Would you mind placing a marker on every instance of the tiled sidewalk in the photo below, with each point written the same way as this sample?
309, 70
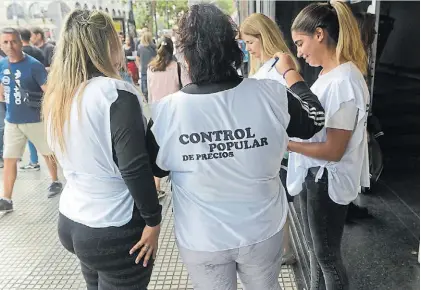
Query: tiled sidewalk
31, 256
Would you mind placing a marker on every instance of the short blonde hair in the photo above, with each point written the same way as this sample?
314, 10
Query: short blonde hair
146, 38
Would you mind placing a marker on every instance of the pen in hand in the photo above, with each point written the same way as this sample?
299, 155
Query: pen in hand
274, 63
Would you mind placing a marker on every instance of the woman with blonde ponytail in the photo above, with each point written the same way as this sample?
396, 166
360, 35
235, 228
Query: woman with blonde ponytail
329, 169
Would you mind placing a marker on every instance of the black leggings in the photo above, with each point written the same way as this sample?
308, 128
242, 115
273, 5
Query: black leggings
104, 254
324, 222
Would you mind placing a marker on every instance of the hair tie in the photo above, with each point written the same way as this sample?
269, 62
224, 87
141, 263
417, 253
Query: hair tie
329, 4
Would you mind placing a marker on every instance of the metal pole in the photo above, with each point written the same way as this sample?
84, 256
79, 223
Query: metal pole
372, 61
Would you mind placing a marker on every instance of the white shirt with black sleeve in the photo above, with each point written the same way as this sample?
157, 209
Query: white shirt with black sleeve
106, 162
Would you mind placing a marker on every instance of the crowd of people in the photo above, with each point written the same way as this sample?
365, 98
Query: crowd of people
229, 110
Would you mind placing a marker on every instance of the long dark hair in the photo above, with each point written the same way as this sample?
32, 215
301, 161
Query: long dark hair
366, 23
164, 55
207, 40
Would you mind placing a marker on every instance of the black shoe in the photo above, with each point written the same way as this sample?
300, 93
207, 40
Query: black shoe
6, 206
55, 188
357, 212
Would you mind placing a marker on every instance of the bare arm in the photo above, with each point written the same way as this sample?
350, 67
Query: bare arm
331, 150
44, 88
138, 61
1, 93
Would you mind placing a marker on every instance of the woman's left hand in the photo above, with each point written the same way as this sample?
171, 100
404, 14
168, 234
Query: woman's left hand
148, 245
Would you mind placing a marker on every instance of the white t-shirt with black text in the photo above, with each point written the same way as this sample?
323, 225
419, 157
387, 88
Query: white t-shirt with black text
224, 152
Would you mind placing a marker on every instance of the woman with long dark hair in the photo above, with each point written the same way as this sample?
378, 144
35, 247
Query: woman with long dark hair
222, 138
129, 48
165, 74
329, 170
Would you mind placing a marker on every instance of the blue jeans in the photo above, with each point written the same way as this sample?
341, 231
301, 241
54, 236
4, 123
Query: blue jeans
144, 86
2, 117
33, 155
125, 76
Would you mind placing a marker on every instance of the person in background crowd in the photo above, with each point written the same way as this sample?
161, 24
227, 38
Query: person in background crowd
263, 39
36, 53
245, 66
175, 43
109, 211
29, 49
222, 138
165, 76
329, 170
145, 53
129, 50
121, 37
22, 76
2, 116
38, 39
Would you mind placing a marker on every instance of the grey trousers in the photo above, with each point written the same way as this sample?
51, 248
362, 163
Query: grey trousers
258, 266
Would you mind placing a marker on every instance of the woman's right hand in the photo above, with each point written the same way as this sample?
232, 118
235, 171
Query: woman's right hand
287, 69
148, 244
284, 63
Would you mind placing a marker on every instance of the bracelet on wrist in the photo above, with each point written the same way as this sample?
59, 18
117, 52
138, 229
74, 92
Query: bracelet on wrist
285, 72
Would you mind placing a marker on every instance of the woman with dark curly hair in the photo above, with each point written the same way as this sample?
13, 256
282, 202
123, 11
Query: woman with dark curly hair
222, 138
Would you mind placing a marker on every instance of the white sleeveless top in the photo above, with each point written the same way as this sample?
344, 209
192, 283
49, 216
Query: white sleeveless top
95, 194
344, 84
224, 152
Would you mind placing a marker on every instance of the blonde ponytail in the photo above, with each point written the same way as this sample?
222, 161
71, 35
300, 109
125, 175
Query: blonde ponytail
349, 46
337, 19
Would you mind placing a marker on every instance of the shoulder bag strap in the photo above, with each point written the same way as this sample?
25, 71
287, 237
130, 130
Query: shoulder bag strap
179, 75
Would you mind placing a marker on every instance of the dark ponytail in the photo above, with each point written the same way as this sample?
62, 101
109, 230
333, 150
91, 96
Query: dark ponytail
164, 55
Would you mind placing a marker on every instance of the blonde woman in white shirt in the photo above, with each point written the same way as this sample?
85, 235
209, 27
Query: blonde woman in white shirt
329, 169
263, 39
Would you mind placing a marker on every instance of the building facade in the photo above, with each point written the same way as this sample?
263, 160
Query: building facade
49, 14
